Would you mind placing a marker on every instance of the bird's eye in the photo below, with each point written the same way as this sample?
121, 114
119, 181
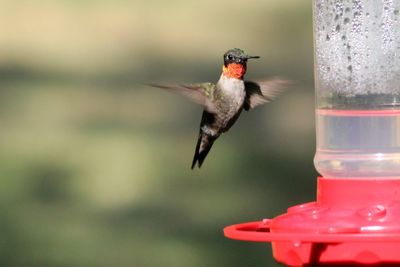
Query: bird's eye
229, 57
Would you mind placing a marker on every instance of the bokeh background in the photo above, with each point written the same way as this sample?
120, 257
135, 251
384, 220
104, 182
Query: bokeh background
95, 167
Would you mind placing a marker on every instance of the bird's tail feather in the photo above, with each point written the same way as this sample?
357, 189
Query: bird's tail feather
204, 144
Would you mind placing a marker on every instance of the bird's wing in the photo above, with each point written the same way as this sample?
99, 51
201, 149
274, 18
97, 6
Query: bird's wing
200, 93
261, 92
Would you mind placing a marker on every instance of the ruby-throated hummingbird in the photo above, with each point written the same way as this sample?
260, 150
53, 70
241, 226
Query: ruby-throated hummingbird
224, 101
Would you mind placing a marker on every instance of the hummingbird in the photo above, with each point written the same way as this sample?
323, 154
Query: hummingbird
224, 101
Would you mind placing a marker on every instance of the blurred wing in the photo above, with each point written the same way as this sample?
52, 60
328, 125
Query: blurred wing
200, 93
261, 92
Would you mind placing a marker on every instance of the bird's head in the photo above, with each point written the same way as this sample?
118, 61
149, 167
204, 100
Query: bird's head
235, 63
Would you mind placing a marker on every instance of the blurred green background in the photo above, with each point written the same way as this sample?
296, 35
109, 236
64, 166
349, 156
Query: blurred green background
95, 168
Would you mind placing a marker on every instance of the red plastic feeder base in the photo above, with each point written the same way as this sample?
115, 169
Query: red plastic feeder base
354, 222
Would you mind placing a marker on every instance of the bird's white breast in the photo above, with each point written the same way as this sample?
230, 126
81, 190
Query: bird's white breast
234, 89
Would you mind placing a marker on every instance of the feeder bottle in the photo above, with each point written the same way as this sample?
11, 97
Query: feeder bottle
355, 220
357, 85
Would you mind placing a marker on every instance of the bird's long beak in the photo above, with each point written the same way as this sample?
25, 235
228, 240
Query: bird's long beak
250, 57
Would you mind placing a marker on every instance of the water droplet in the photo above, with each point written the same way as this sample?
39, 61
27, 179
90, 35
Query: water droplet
337, 27
349, 58
343, 37
347, 9
328, 37
350, 68
346, 20
396, 11
336, 17
356, 14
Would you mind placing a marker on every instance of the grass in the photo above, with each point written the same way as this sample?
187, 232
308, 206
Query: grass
95, 167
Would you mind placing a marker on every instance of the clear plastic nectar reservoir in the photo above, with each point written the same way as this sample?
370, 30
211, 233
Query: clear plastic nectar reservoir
357, 70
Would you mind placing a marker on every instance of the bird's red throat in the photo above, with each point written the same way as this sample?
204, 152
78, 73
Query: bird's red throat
234, 70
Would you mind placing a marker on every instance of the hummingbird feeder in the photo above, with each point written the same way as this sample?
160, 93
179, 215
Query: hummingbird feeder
355, 220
